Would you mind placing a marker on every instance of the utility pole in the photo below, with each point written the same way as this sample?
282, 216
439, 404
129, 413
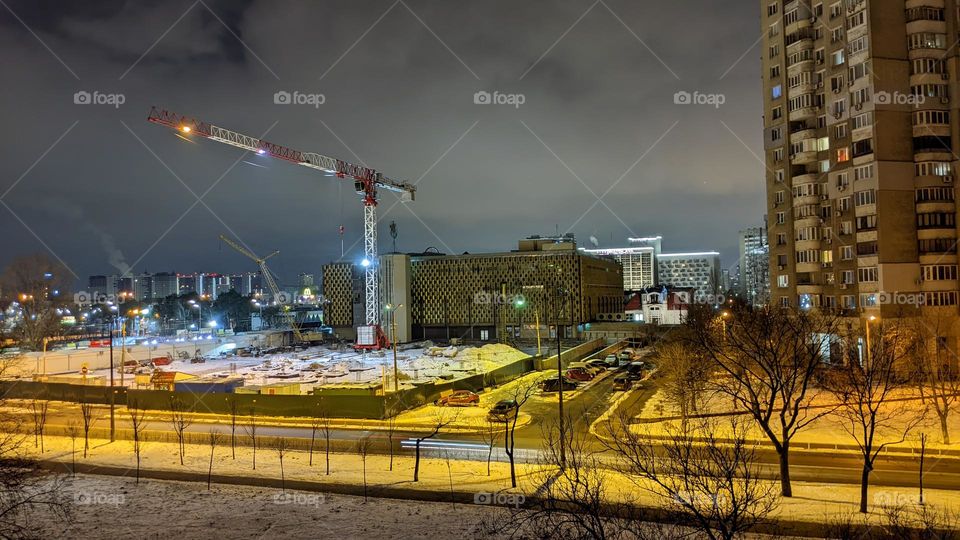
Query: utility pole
112, 389
563, 455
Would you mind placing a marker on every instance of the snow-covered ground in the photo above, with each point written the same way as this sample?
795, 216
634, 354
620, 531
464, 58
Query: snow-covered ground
326, 366
111, 507
119, 508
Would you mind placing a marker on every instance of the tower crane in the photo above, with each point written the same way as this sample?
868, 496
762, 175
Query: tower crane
268, 278
367, 182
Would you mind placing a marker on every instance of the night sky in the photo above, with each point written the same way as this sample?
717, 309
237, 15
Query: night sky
102, 189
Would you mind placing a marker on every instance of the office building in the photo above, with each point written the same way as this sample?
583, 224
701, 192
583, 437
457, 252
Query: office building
697, 271
639, 261
489, 296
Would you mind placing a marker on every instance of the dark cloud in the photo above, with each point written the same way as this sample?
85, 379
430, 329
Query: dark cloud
397, 99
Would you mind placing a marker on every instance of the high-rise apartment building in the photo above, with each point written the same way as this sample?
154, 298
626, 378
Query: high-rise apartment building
754, 282
859, 135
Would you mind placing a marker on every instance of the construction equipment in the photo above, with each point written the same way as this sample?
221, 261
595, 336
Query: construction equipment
366, 182
278, 297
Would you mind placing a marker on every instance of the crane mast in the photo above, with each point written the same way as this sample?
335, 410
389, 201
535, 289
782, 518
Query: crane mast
268, 278
367, 182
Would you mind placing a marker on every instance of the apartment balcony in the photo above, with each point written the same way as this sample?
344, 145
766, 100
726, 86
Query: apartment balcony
806, 178
808, 267
936, 206
804, 113
798, 136
804, 158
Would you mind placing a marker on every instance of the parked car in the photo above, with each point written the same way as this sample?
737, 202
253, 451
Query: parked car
624, 356
622, 382
602, 365
635, 370
593, 370
503, 411
579, 374
458, 398
553, 384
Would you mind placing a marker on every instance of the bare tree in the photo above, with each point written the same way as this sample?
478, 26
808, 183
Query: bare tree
137, 424
491, 434
440, 421
572, 500
40, 286
937, 374
73, 431
521, 392
39, 408
24, 487
708, 478
280, 445
768, 360
234, 412
86, 413
321, 423
864, 391
684, 375
391, 433
364, 445
213, 440
181, 421
251, 429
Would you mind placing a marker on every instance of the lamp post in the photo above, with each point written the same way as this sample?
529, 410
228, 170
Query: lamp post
519, 303
869, 320
112, 389
563, 455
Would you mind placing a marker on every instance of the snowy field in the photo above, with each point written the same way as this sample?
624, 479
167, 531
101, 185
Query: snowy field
326, 366
111, 507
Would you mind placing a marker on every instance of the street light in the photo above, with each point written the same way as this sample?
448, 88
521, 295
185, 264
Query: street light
870, 319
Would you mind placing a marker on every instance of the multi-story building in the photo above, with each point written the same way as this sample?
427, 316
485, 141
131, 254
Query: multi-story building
699, 272
859, 141
490, 295
165, 284
639, 261
754, 281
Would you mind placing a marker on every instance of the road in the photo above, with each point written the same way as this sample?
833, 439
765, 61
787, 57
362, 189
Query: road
584, 407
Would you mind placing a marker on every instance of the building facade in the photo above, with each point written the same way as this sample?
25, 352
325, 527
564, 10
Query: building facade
639, 261
698, 271
860, 146
487, 296
754, 281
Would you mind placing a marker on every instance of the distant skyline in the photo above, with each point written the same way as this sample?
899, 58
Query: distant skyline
598, 146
